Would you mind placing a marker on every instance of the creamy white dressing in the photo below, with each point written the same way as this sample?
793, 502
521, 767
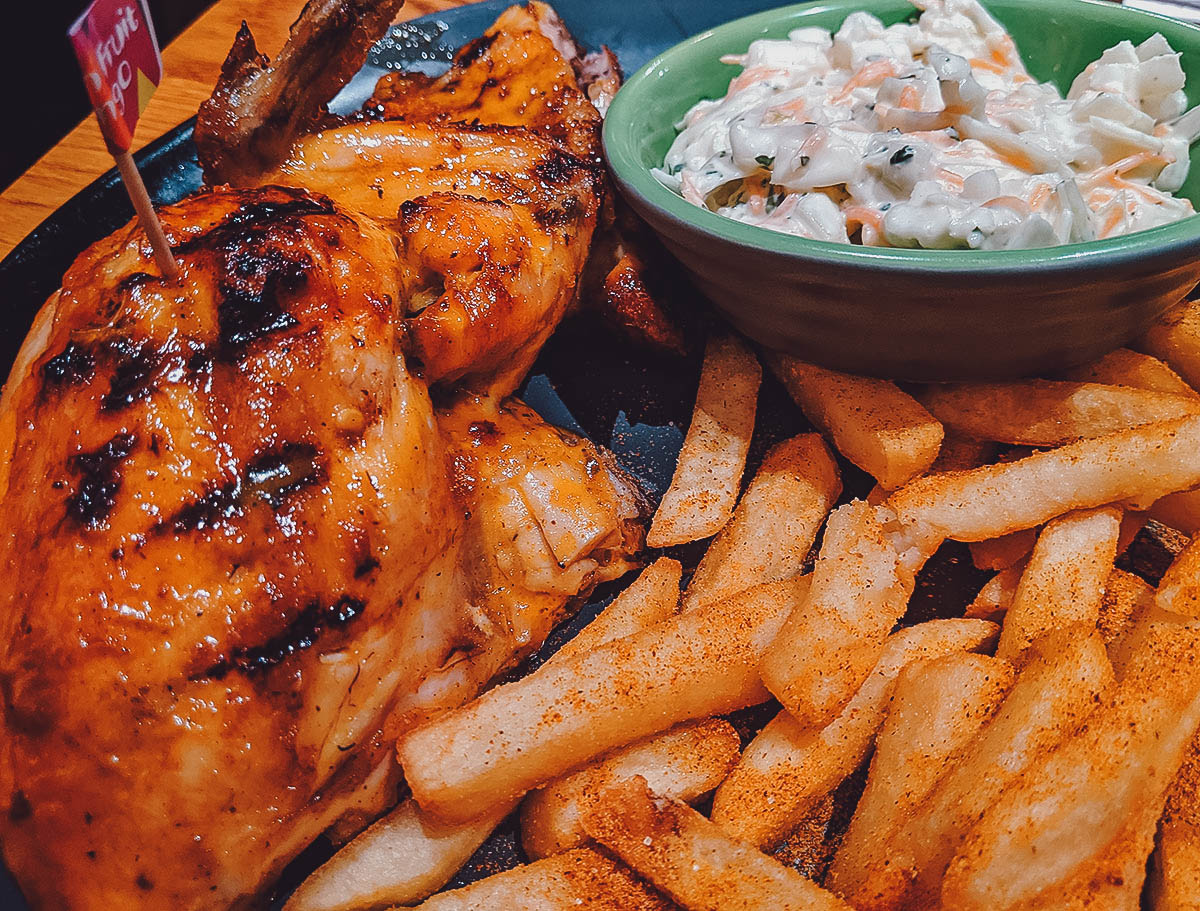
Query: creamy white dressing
932, 134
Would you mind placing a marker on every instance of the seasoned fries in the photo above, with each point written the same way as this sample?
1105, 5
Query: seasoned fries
1175, 338
1179, 590
860, 588
704, 489
651, 598
469, 761
397, 861
1004, 551
1051, 412
938, 706
1174, 875
1077, 829
959, 453
1125, 595
1015, 766
787, 766
873, 423
997, 594
1124, 367
1064, 581
1178, 510
684, 763
1142, 464
1053, 694
578, 879
694, 861
775, 523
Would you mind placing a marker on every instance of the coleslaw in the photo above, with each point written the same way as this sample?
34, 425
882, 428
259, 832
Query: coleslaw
932, 134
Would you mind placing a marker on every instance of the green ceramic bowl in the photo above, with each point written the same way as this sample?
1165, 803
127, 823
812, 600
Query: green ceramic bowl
911, 314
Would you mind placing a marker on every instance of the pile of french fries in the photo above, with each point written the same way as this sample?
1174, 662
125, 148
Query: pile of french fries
1037, 751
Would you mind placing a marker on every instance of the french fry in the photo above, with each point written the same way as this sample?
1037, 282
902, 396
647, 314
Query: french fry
997, 594
578, 879
708, 475
651, 598
399, 860
1076, 829
1142, 464
1004, 551
873, 423
939, 704
684, 763
1050, 412
788, 766
406, 855
1179, 589
694, 861
1053, 694
1008, 550
860, 588
1064, 581
1124, 596
960, 452
1174, 875
1125, 367
775, 523
1180, 511
471, 760
1175, 338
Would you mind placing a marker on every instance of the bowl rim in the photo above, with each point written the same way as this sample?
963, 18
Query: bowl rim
1162, 243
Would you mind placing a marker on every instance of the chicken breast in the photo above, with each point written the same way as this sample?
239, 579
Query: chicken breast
238, 553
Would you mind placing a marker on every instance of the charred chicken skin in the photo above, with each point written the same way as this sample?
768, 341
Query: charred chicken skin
246, 545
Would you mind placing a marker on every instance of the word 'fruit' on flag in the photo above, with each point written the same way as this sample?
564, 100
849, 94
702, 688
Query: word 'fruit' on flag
118, 52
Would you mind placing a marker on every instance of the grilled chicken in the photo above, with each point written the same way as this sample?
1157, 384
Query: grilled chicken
244, 550
525, 73
518, 73
258, 109
247, 549
495, 226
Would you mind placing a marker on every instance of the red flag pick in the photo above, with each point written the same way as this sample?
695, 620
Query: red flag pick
118, 53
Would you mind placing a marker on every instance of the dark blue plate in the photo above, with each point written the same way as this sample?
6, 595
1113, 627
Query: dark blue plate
635, 403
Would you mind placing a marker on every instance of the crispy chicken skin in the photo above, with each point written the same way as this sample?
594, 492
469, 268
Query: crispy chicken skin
518, 73
494, 224
237, 559
258, 108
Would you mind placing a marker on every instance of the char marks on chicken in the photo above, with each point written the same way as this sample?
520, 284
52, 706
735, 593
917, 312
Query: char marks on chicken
261, 518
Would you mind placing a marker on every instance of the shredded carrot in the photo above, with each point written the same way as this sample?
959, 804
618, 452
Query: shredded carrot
796, 107
756, 192
950, 177
1009, 202
1018, 160
1111, 223
1148, 194
978, 63
1039, 197
870, 74
1105, 173
865, 216
753, 75
1005, 52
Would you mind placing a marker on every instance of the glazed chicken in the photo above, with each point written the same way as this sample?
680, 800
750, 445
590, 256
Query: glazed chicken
246, 544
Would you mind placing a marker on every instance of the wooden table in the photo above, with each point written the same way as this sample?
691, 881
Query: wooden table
190, 63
